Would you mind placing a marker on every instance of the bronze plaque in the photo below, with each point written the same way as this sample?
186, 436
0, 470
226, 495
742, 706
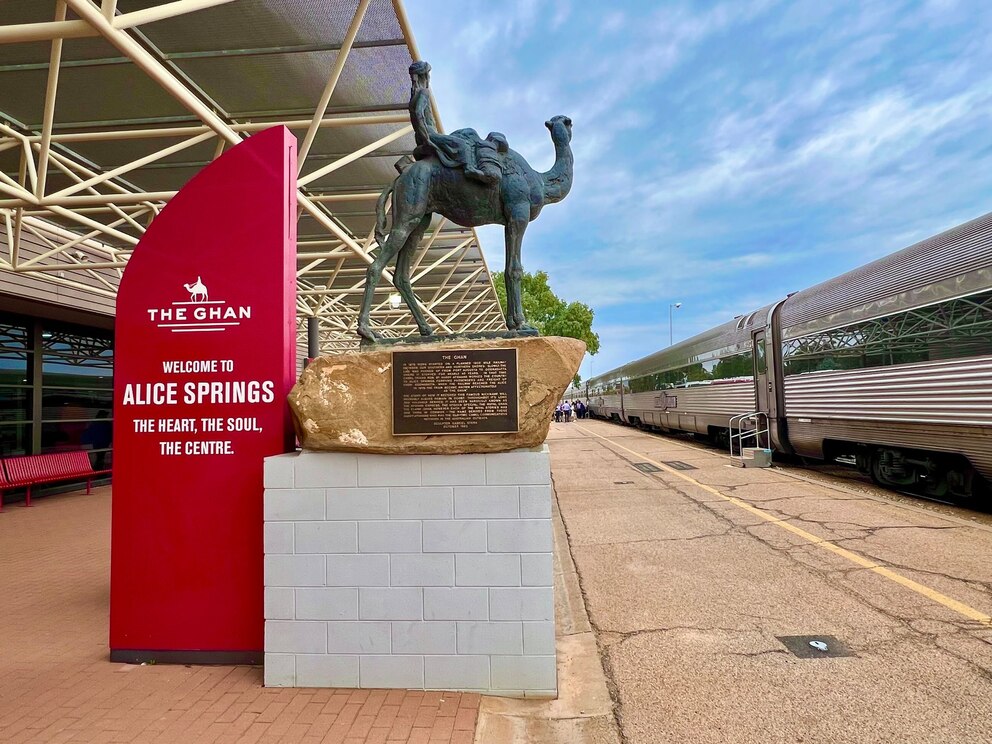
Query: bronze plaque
455, 391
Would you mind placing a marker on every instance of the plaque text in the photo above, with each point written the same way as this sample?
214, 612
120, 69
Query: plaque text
455, 391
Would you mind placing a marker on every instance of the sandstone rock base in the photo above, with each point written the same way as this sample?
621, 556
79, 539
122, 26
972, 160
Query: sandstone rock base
344, 402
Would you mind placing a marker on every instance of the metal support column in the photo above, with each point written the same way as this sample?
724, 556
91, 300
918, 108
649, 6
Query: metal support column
313, 337
37, 382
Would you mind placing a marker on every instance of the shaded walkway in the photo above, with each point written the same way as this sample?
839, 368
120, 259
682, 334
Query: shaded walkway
57, 685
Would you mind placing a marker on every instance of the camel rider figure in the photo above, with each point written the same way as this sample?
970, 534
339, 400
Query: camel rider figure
461, 149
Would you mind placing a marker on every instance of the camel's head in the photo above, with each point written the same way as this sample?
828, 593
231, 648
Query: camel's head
562, 124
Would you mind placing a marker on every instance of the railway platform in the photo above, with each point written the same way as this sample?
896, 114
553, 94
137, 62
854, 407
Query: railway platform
682, 582
698, 576
57, 684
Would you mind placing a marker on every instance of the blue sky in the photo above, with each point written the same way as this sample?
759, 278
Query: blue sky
727, 153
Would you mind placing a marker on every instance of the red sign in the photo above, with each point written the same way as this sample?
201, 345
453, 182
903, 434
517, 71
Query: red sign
204, 358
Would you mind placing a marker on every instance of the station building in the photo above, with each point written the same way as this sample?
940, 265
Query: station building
108, 108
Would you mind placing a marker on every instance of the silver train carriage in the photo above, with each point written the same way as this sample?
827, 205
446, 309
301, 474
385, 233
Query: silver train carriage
888, 365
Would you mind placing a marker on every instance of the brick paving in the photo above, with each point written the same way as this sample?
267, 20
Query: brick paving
58, 685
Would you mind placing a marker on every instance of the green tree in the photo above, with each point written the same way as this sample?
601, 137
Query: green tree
550, 314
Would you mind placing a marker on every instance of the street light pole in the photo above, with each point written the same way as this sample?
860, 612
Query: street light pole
674, 306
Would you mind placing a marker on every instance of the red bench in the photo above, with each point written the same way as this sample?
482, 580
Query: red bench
31, 470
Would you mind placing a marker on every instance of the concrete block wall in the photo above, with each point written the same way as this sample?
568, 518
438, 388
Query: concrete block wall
410, 571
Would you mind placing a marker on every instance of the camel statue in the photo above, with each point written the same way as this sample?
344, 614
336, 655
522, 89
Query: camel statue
197, 290
427, 186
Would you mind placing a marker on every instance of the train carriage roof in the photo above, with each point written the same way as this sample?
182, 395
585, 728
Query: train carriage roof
732, 337
954, 263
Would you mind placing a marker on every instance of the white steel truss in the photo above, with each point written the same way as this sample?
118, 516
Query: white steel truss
76, 194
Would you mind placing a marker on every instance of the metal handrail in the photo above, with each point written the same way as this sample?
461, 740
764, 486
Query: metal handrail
741, 435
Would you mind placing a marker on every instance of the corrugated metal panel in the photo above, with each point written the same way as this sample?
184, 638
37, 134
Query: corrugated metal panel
33, 287
721, 399
604, 405
641, 400
945, 392
956, 262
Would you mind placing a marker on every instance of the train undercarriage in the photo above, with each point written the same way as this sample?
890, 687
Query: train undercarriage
936, 475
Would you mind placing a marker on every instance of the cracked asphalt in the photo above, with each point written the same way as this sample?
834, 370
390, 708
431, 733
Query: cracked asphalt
689, 582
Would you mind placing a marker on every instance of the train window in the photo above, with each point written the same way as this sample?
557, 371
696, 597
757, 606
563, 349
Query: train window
612, 387
725, 368
948, 330
759, 356
738, 365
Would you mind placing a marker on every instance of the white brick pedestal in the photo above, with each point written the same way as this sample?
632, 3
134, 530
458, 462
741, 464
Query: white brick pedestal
410, 571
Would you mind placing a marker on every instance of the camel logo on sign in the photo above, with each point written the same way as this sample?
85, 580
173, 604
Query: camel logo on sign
197, 291
199, 314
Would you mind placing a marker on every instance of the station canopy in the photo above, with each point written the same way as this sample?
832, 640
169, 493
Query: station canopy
108, 108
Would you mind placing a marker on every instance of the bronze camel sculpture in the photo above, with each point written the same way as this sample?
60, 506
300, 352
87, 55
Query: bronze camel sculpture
428, 185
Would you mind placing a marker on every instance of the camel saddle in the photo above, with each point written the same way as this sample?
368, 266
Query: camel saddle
451, 150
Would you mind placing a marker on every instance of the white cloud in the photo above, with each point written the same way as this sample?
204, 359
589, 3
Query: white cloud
887, 127
614, 21
726, 152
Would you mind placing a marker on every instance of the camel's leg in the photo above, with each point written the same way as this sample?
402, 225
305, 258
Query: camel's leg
402, 276
510, 292
516, 224
397, 237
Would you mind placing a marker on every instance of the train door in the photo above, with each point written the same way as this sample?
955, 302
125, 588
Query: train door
761, 384
623, 415
775, 387
760, 372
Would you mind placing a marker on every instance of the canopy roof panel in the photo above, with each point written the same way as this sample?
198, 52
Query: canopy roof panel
106, 111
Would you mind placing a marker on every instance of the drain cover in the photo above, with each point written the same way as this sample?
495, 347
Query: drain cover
679, 465
814, 646
646, 467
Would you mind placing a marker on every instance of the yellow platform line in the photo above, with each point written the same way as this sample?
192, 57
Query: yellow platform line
960, 607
